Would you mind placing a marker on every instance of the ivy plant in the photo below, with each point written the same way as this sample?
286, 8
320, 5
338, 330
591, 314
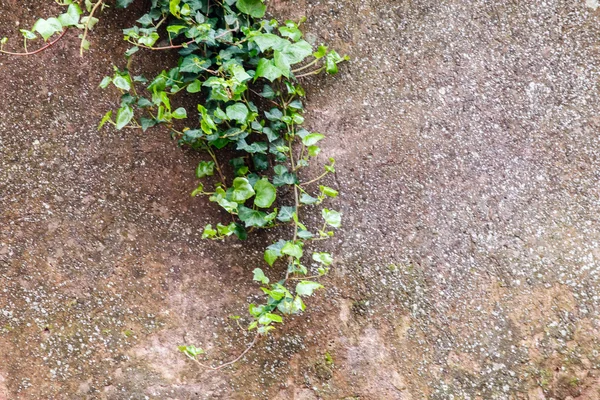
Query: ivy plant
245, 71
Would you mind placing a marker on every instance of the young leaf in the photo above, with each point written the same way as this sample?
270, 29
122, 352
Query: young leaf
205, 168
179, 113
285, 214
254, 8
265, 193
208, 232
312, 139
107, 117
28, 34
259, 276
252, 217
306, 288
327, 191
333, 218
124, 115
191, 351
323, 258
292, 249
238, 112
267, 69
121, 83
47, 27
242, 190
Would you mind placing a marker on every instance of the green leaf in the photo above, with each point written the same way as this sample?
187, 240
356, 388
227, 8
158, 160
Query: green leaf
313, 138
287, 178
123, 3
254, 8
89, 21
313, 151
306, 288
320, 53
265, 193
323, 258
252, 217
269, 41
175, 28
219, 197
268, 92
226, 230
292, 249
308, 199
327, 191
333, 218
47, 27
105, 119
198, 190
124, 115
238, 112
267, 318
122, 83
71, 17
304, 234
208, 232
242, 190
28, 34
270, 257
194, 87
147, 123
259, 276
205, 168
105, 82
285, 214
331, 61
174, 7
267, 69
179, 113
291, 31
190, 350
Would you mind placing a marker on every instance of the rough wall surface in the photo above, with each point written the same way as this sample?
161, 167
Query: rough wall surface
466, 134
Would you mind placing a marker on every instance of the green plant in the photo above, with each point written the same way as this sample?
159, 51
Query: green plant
73, 18
246, 72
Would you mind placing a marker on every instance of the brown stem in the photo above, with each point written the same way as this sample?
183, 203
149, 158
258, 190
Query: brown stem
176, 46
30, 53
87, 26
232, 361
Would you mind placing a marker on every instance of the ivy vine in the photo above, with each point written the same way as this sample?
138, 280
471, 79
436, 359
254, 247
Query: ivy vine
245, 71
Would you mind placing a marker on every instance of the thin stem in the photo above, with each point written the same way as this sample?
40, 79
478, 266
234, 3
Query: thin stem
176, 46
303, 278
232, 361
214, 157
87, 26
315, 180
315, 72
269, 100
38, 50
310, 64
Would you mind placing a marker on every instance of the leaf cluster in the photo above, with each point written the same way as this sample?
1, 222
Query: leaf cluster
246, 73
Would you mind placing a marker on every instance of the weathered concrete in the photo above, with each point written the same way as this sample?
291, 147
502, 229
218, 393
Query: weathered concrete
466, 139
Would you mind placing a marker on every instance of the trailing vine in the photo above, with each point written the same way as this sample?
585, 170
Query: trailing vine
245, 71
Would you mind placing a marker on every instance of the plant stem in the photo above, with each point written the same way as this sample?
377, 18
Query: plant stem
232, 361
87, 26
315, 180
315, 72
214, 157
306, 66
38, 50
175, 46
